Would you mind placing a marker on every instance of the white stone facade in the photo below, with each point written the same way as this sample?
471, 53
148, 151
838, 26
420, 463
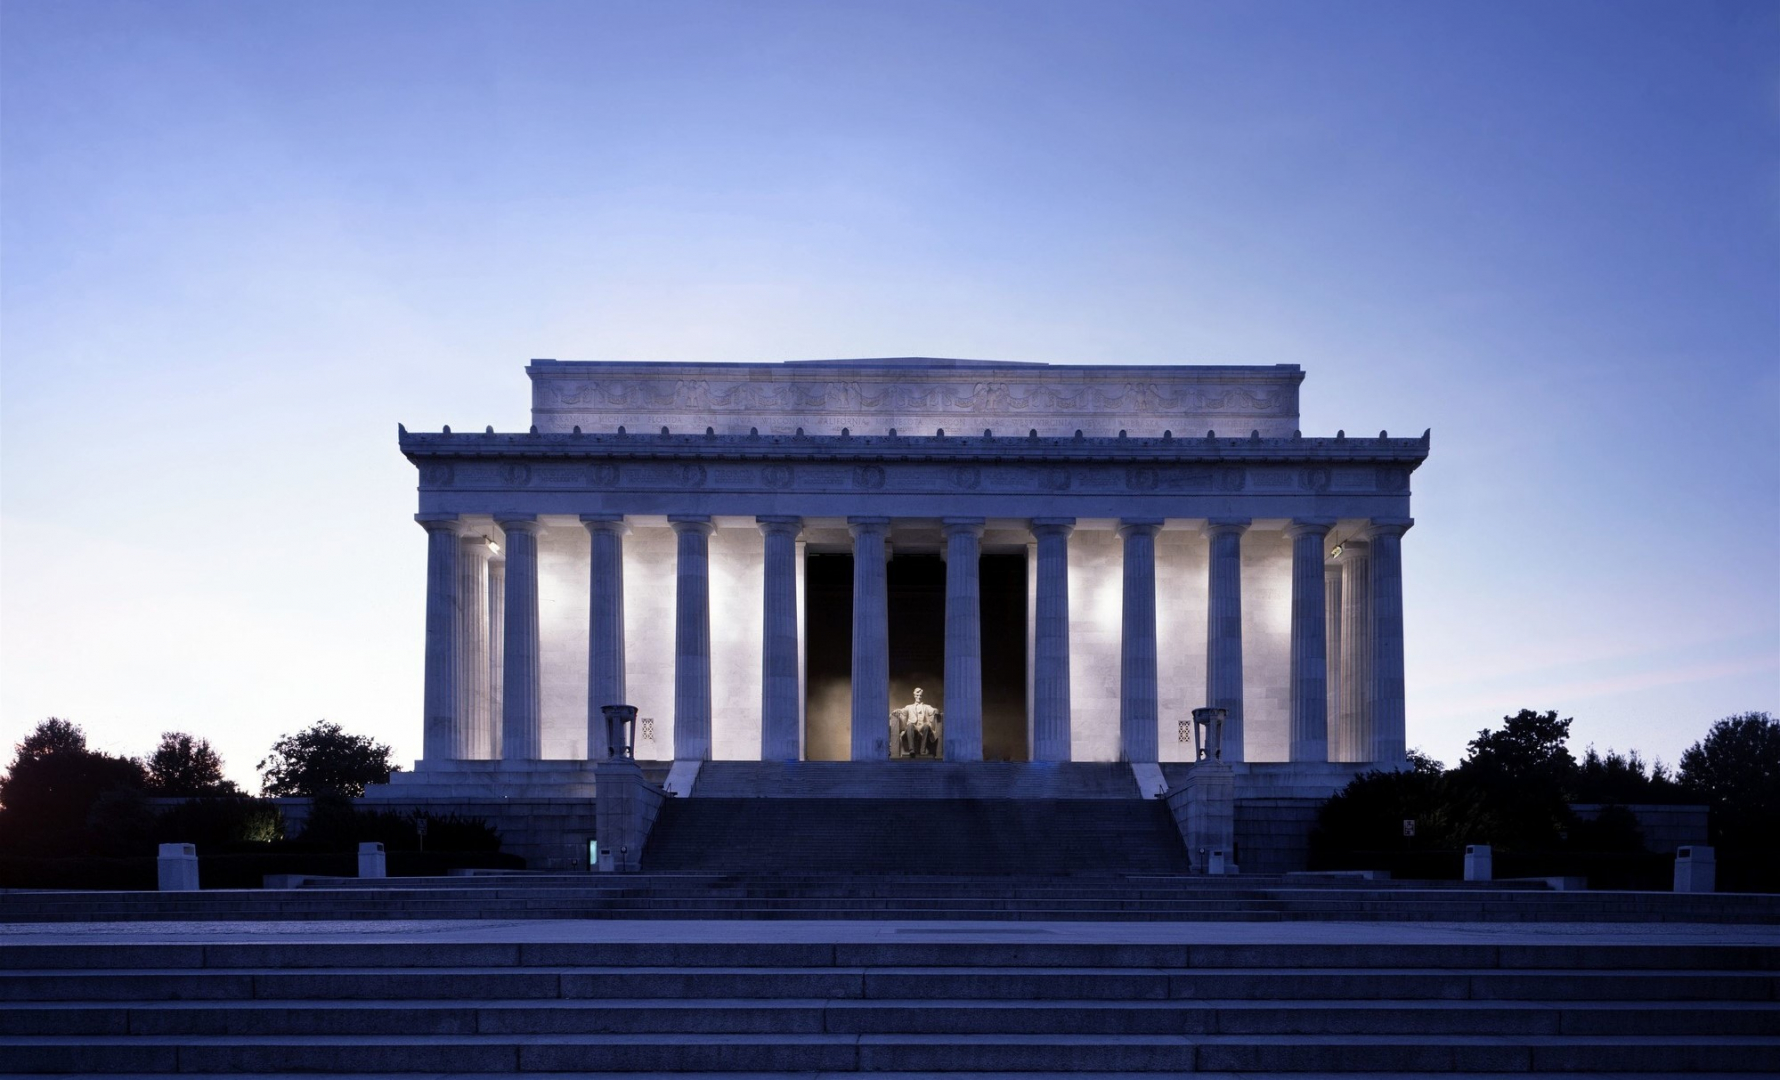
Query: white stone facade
1110, 460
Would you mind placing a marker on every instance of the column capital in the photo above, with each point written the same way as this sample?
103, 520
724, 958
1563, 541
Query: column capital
779, 525
1215, 527
605, 523
476, 545
691, 523
1139, 527
512, 521
1386, 527
1052, 526
1318, 527
448, 523
951, 525
868, 526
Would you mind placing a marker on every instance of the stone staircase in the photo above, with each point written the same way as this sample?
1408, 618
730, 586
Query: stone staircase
915, 780
1010, 1005
830, 896
915, 836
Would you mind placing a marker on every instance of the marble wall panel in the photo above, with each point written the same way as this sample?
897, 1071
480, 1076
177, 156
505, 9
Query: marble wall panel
738, 565
649, 557
562, 640
1182, 581
1096, 607
1266, 645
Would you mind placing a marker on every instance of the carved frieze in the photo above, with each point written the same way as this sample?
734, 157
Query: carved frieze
1038, 477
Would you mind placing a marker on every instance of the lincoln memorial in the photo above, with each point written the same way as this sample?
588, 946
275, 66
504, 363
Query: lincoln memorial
767, 560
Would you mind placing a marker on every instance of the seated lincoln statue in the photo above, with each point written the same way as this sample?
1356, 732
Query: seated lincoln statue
915, 729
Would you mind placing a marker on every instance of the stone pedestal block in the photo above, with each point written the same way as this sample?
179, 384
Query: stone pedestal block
177, 868
1479, 863
624, 811
1696, 869
371, 861
1205, 811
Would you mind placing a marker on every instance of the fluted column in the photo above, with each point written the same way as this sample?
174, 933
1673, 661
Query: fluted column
871, 640
522, 737
779, 699
1223, 636
1388, 743
964, 641
1356, 650
692, 638
1332, 616
1310, 656
439, 697
497, 651
1050, 641
605, 624
472, 645
1138, 697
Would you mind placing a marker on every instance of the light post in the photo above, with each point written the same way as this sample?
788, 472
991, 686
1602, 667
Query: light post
1208, 734
620, 729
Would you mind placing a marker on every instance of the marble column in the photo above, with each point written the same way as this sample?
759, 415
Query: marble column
1309, 680
779, 657
605, 624
472, 646
1356, 650
1223, 636
1050, 641
871, 640
1332, 616
497, 651
692, 637
1388, 743
1138, 697
439, 698
964, 641
522, 732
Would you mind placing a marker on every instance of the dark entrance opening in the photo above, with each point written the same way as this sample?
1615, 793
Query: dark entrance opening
917, 601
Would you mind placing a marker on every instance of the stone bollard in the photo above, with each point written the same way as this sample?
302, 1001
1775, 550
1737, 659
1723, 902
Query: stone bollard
371, 861
178, 868
1696, 869
1477, 862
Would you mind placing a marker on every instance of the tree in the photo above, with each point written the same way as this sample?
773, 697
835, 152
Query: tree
54, 783
1621, 778
1510, 789
1736, 768
322, 759
182, 765
1529, 748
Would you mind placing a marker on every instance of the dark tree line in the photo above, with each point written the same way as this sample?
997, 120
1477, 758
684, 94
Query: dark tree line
59, 796
1516, 786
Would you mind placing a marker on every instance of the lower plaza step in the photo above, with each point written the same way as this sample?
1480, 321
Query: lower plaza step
937, 1002
1103, 897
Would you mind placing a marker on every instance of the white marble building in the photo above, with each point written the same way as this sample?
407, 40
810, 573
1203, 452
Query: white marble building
751, 555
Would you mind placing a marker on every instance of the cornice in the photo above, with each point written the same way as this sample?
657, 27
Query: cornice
420, 446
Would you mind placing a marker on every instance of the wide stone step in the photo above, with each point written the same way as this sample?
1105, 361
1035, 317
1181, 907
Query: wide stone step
818, 1052
1029, 949
957, 1017
1053, 983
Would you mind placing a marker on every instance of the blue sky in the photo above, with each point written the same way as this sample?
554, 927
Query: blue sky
239, 242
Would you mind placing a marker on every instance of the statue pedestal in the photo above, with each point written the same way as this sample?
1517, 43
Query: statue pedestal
1205, 812
624, 806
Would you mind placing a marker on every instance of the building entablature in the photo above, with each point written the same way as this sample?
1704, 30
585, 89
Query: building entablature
819, 475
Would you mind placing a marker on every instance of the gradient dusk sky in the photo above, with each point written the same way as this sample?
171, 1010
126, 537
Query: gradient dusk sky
242, 240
